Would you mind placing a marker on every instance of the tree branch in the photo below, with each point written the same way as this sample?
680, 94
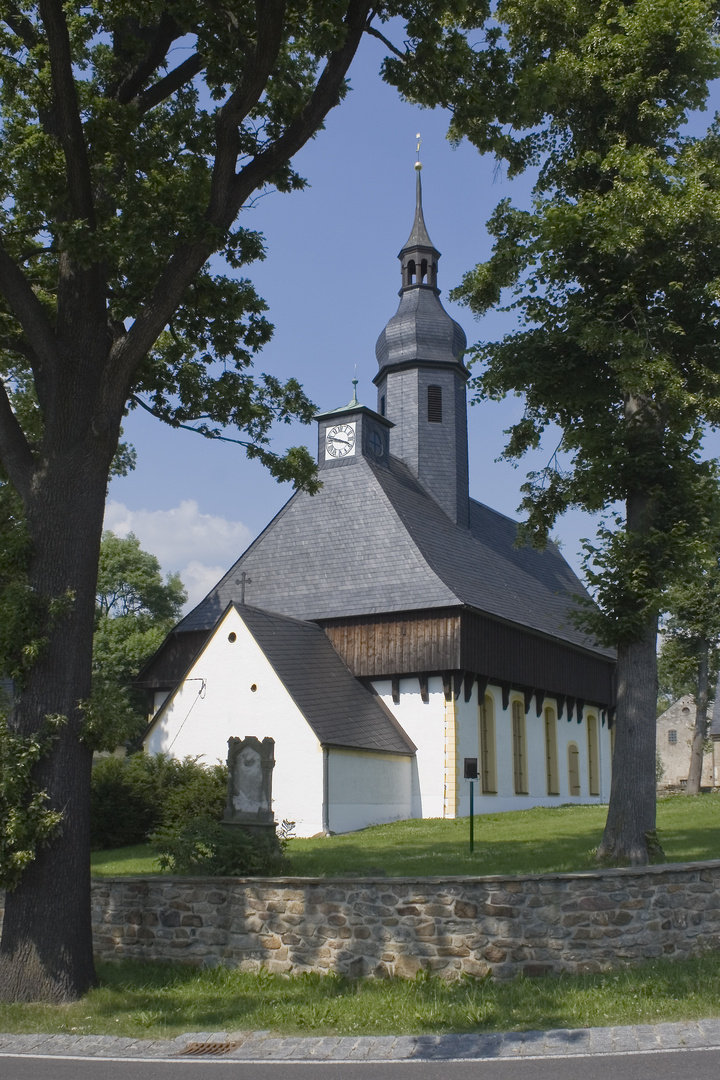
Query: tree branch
32, 318
21, 26
187, 427
176, 78
388, 44
15, 453
269, 19
166, 31
66, 111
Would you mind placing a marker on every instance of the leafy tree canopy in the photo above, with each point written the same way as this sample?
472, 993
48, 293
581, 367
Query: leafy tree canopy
130, 582
135, 610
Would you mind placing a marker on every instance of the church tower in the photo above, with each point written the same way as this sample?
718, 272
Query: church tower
421, 381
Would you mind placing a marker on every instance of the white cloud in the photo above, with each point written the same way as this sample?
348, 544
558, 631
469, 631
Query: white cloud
200, 546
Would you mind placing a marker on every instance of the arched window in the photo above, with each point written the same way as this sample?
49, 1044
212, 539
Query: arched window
573, 769
423, 271
551, 756
593, 755
520, 775
486, 744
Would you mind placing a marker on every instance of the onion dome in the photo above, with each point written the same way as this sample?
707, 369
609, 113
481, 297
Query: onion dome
420, 330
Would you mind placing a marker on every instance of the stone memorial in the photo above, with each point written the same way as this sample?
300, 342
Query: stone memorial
250, 767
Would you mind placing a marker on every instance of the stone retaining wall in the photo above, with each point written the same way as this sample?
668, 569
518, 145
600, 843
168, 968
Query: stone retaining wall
396, 926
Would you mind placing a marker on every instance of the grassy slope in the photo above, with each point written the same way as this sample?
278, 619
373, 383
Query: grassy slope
522, 842
161, 1001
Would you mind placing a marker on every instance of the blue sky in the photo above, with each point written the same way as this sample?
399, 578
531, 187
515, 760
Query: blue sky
330, 280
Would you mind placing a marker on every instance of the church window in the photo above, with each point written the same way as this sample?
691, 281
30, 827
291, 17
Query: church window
486, 741
382, 405
423, 270
593, 755
434, 404
551, 757
573, 769
520, 781
672, 736
411, 272
232, 637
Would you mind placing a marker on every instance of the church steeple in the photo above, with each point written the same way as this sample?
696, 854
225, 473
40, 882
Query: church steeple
419, 256
421, 378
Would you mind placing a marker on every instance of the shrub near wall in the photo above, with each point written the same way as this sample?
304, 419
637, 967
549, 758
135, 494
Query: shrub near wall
542, 924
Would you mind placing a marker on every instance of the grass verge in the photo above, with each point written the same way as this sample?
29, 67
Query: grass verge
542, 840
161, 1001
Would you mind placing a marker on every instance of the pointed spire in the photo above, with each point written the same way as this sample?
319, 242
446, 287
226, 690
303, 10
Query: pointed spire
419, 234
419, 256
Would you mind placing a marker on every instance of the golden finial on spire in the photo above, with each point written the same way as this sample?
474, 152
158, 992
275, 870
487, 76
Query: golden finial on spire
418, 162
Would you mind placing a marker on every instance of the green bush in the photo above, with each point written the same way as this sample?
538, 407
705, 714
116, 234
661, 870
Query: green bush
206, 847
130, 797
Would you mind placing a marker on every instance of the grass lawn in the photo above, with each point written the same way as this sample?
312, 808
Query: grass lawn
521, 842
161, 1001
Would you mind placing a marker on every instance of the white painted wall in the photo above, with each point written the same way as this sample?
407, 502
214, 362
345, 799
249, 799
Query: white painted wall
217, 701
425, 724
366, 788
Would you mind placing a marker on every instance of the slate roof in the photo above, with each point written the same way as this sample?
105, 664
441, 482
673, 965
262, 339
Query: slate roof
420, 330
338, 708
372, 541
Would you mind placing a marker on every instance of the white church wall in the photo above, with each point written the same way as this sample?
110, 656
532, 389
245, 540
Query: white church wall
366, 788
217, 701
424, 724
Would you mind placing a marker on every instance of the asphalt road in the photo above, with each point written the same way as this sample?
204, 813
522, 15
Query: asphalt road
700, 1064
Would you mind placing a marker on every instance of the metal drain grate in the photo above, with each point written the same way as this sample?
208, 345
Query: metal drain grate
203, 1049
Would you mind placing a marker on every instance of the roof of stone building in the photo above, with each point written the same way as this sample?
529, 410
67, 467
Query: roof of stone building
339, 709
372, 541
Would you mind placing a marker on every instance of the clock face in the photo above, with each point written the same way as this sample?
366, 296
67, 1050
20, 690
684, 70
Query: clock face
376, 444
340, 441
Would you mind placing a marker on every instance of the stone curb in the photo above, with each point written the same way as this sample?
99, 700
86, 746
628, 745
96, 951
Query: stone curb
264, 1046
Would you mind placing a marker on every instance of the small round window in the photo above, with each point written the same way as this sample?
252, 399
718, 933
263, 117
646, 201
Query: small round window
232, 637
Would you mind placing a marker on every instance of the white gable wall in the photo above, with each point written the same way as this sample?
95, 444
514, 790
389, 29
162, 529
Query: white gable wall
216, 701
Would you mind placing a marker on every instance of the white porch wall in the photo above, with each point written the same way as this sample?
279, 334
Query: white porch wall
425, 725
367, 788
190, 724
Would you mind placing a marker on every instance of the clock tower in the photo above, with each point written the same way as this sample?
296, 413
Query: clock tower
353, 432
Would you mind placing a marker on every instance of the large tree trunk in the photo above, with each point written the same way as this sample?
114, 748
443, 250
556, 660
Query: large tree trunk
46, 945
697, 749
629, 835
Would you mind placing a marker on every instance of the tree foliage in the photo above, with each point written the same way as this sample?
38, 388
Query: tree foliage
135, 610
614, 276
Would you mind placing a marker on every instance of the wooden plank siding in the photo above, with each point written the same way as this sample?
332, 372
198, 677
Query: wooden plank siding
168, 665
464, 641
398, 644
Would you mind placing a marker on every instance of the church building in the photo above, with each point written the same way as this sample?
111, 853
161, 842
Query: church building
386, 632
